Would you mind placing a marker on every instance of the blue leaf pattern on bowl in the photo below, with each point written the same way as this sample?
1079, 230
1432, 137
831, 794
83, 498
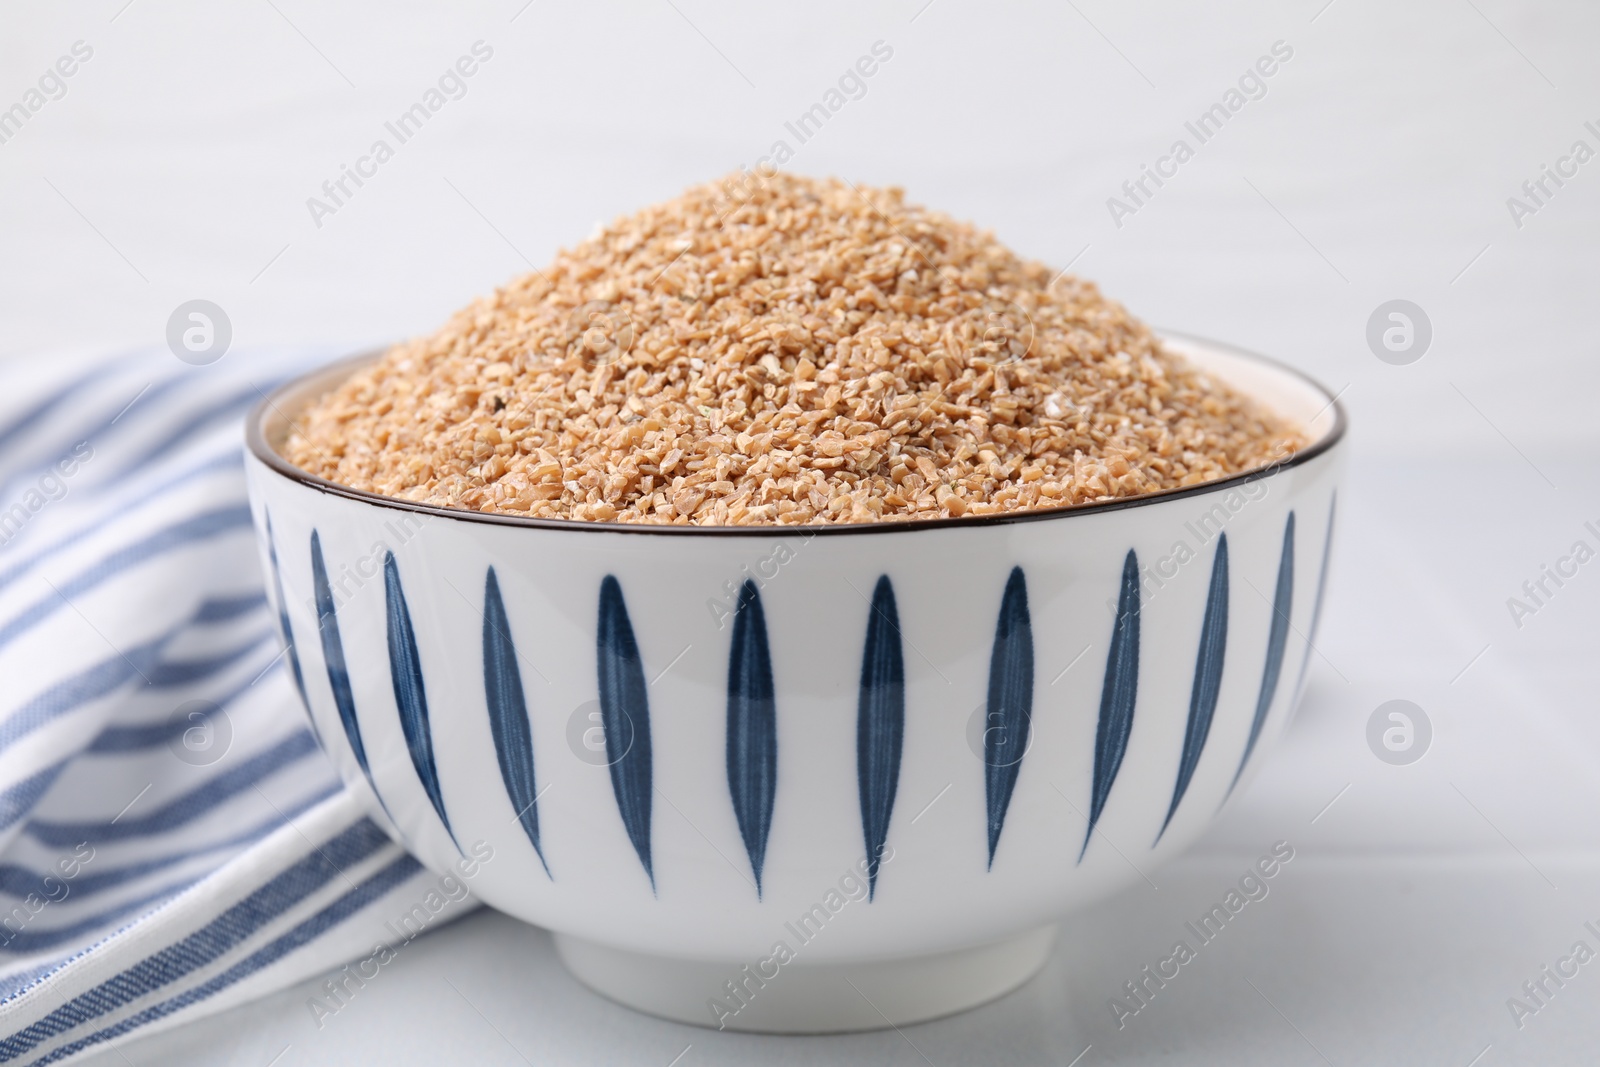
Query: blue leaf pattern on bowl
1207, 678
508, 714
1008, 715
333, 655
625, 718
1316, 602
290, 652
1118, 695
752, 735
405, 673
1277, 641
752, 727
880, 724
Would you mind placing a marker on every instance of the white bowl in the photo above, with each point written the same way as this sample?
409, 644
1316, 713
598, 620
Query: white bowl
681, 745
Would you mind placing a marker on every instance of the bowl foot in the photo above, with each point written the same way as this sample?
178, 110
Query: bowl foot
803, 998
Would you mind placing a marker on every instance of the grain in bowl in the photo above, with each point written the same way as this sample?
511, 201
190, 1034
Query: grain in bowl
784, 350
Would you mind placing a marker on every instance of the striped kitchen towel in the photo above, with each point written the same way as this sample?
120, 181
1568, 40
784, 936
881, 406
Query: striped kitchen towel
172, 841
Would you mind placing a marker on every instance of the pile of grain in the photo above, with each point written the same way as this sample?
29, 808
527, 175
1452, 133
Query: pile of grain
784, 350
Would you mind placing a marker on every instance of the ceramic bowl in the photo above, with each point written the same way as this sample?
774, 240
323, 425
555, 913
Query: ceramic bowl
804, 779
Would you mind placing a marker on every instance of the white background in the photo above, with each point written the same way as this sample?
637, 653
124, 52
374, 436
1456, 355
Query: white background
1377, 166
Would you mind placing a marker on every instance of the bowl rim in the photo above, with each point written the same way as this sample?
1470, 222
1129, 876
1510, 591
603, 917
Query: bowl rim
256, 443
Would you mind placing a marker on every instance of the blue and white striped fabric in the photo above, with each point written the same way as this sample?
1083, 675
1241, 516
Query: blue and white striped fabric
172, 841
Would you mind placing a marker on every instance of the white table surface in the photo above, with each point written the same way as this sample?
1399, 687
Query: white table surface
1377, 166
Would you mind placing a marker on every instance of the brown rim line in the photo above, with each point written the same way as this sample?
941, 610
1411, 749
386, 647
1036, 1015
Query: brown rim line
256, 442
